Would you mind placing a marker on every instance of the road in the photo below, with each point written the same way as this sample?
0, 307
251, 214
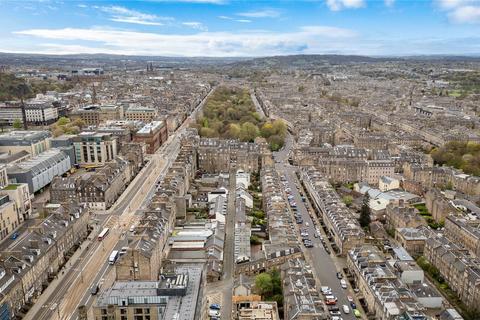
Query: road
228, 253
322, 262
90, 266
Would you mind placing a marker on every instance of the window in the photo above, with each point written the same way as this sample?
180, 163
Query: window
138, 311
123, 311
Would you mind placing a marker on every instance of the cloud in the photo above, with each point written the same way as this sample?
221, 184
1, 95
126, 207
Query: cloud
389, 3
82, 5
125, 15
195, 25
266, 13
461, 11
466, 14
337, 5
233, 19
308, 39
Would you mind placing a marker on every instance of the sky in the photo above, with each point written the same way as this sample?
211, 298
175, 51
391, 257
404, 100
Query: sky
241, 28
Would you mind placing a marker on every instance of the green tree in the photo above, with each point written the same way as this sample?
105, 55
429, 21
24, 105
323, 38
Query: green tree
365, 218
263, 283
267, 130
347, 200
248, 132
279, 127
276, 142
17, 124
208, 133
63, 121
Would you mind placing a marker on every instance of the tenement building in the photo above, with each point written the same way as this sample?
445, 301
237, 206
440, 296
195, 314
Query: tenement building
340, 221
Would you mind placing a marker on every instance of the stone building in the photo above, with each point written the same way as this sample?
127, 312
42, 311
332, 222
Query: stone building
464, 232
153, 135
36, 258
216, 155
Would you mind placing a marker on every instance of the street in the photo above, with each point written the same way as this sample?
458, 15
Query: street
322, 262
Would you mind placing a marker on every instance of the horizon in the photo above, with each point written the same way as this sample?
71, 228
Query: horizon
239, 29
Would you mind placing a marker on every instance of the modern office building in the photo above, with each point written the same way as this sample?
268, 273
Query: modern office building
34, 142
39, 171
93, 148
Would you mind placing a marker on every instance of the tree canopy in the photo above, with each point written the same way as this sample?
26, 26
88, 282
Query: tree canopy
460, 155
229, 113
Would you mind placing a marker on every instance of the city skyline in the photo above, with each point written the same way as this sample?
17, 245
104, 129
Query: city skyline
226, 28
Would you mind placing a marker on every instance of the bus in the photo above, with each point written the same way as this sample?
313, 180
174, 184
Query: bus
103, 234
113, 257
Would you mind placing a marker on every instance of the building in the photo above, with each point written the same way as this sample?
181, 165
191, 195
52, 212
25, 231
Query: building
412, 239
95, 149
153, 135
40, 170
94, 115
40, 112
388, 183
65, 144
379, 168
9, 217
100, 189
143, 114
19, 193
147, 249
339, 220
386, 296
3, 176
176, 294
242, 232
215, 155
302, 298
455, 264
402, 216
464, 232
35, 258
34, 142
11, 112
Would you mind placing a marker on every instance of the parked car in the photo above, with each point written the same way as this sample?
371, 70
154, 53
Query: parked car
345, 309
215, 306
350, 299
353, 305
343, 283
94, 289
357, 313
339, 275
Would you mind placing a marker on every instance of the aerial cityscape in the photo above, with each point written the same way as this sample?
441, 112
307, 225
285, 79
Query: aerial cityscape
240, 160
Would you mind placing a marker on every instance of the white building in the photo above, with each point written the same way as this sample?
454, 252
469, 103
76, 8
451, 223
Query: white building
388, 183
243, 178
40, 112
